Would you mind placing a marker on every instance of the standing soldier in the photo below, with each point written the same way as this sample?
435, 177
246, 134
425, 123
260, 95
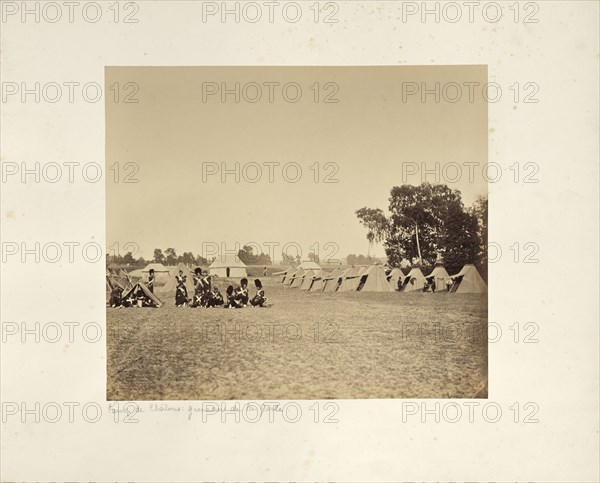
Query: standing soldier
181, 295
151, 279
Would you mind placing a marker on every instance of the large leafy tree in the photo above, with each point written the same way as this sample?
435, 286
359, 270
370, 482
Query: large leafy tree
425, 221
418, 215
460, 239
480, 210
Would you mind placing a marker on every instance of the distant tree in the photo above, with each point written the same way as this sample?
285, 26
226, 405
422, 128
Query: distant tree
247, 256
158, 256
200, 260
264, 259
187, 258
287, 259
313, 257
171, 256
360, 259
128, 259
374, 220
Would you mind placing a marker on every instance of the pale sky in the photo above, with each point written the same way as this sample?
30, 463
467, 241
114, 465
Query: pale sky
369, 137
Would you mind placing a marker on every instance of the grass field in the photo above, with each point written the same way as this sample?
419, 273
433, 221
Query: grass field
309, 345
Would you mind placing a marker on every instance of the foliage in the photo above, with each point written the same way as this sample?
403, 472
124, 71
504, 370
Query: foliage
247, 256
436, 215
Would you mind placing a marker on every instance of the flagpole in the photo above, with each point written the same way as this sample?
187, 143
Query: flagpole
418, 245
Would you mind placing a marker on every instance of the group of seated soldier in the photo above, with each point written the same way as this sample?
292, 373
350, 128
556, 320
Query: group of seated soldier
134, 298
206, 294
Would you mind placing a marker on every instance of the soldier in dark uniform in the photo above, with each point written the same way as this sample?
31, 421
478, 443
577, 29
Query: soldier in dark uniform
259, 300
232, 303
217, 297
115, 297
181, 294
197, 276
207, 294
130, 301
151, 279
241, 294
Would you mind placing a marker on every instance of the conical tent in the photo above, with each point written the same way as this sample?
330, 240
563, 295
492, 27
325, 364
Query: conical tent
309, 279
319, 281
171, 284
395, 276
109, 289
284, 274
414, 281
468, 280
147, 293
330, 282
119, 281
298, 279
440, 275
350, 280
291, 276
374, 280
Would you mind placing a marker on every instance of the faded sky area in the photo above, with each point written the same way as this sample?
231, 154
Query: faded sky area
184, 132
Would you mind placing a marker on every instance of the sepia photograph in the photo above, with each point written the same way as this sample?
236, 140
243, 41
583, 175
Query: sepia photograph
297, 232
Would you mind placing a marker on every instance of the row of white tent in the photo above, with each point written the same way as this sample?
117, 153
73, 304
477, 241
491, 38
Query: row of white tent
374, 279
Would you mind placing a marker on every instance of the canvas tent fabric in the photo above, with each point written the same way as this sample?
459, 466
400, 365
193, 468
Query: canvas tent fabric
109, 289
147, 293
374, 280
395, 276
290, 277
330, 281
171, 284
440, 275
228, 266
350, 280
119, 278
309, 279
286, 274
414, 281
283, 274
468, 280
298, 279
319, 281
309, 266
